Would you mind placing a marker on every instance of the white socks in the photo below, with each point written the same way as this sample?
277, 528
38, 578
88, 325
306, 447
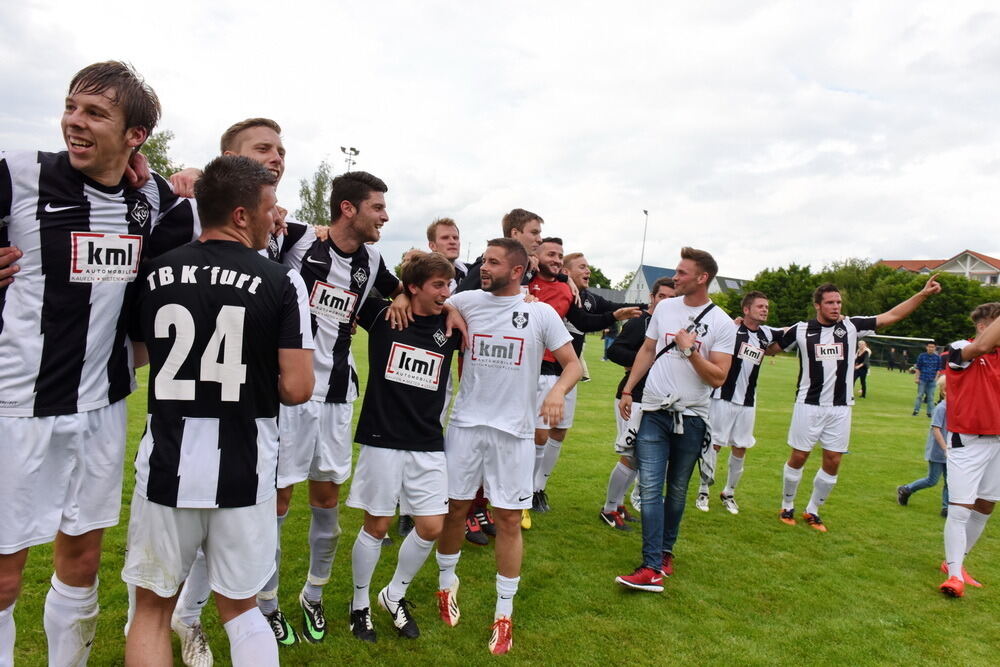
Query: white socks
364, 557
412, 555
195, 593
550, 454
974, 528
7, 633
267, 598
70, 622
823, 484
506, 590
792, 477
734, 474
324, 533
955, 539
621, 477
251, 640
446, 569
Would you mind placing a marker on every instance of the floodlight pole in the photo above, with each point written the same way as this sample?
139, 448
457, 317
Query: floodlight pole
642, 253
351, 153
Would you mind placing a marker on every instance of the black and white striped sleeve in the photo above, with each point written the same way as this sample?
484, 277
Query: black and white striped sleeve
296, 326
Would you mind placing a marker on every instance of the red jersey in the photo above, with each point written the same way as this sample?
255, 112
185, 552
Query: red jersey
555, 293
973, 406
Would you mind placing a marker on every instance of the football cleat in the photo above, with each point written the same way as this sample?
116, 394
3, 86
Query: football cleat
954, 587
400, 612
448, 604
615, 520
729, 502
903, 495
814, 522
787, 516
525, 520
284, 633
485, 520
540, 501
701, 502
642, 579
195, 651
626, 515
502, 639
474, 534
313, 619
966, 577
361, 625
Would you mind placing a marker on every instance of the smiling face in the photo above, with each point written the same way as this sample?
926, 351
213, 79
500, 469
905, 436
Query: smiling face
578, 271
367, 219
429, 298
96, 138
263, 145
446, 241
550, 260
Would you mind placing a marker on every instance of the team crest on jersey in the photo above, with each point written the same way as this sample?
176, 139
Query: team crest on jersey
497, 351
272, 247
519, 320
586, 305
414, 367
97, 257
138, 212
360, 276
840, 332
331, 302
440, 338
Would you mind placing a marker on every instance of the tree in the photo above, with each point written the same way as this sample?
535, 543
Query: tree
156, 150
314, 195
597, 278
626, 281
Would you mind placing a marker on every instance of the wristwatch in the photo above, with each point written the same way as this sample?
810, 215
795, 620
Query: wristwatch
687, 352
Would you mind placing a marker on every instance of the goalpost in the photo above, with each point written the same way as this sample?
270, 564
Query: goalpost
888, 351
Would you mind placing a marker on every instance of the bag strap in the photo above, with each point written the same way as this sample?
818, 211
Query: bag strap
669, 346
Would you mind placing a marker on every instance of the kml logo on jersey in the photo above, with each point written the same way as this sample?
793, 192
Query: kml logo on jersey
414, 367
829, 351
519, 320
360, 276
750, 353
497, 351
97, 257
331, 302
138, 212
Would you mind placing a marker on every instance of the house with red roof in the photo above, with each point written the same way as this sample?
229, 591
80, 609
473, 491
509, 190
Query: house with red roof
969, 263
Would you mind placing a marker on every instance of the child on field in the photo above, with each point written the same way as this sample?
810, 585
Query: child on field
936, 454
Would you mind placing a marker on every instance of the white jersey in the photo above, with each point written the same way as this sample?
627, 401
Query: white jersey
62, 334
826, 358
500, 372
672, 373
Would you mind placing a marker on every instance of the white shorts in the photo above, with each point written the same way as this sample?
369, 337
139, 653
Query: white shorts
314, 442
732, 424
545, 384
60, 474
974, 469
239, 545
416, 481
499, 462
829, 425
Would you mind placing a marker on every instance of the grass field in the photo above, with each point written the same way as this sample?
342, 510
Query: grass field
747, 589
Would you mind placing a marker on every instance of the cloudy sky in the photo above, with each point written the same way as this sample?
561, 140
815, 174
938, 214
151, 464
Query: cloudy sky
765, 132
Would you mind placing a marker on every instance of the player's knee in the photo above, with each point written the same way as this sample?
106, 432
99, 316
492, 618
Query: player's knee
10, 588
508, 521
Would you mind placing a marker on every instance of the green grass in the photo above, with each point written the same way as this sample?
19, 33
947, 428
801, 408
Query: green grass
747, 589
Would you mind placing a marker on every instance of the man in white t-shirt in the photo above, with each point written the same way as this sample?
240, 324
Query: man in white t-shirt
688, 351
490, 440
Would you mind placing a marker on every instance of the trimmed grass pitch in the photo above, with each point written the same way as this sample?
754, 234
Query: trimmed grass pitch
747, 588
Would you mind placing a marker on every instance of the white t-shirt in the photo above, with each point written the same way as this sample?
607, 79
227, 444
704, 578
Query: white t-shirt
673, 373
500, 373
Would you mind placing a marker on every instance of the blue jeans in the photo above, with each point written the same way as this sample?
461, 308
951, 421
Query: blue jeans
925, 392
934, 472
664, 456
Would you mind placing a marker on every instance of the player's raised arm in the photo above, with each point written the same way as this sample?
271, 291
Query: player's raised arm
904, 309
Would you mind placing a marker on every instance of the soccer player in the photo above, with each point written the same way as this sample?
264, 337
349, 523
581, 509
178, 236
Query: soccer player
687, 352
546, 286
78, 229
443, 237
733, 410
973, 416
402, 458
524, 227
928, 369
315, 439
623, 352
228, 336
489, 439
827, 346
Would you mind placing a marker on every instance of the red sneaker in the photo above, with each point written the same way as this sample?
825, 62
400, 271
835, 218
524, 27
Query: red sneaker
953, 587
643, 579
502, 639
667, 565
448, 604
966, 577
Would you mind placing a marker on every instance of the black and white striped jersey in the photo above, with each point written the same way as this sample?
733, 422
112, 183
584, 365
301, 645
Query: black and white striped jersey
740, 386
213, 316
338, 284
287, 249
826, 358
62, 330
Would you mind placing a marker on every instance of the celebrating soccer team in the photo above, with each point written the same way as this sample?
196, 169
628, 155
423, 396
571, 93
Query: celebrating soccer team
246, 318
